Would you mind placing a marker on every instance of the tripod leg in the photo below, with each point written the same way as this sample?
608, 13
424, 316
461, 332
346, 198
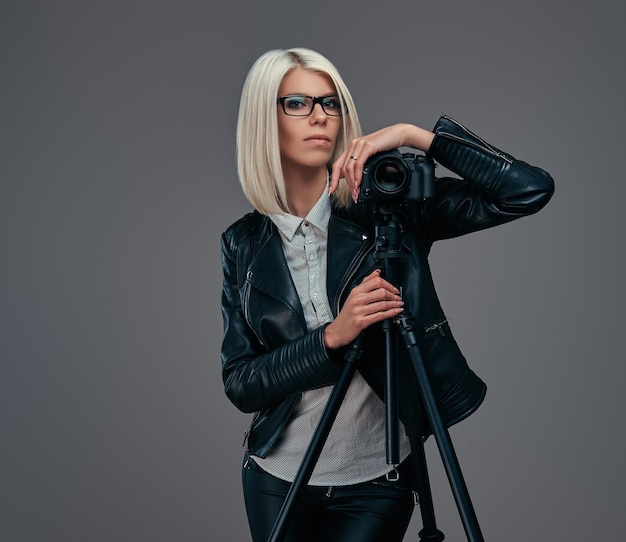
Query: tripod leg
317, 441
391, 396
446, 450
429, 532
391, 378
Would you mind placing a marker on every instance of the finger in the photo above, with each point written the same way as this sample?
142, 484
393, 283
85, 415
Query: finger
374, 281
354, 170
354, 161
372, 275
334, 178
363, 285
381, 300
379, 304
366, 304
338, 169
379, 316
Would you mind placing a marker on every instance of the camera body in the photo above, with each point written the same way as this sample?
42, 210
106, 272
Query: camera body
397, 177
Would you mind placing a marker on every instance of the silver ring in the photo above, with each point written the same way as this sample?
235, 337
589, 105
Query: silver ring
353, 158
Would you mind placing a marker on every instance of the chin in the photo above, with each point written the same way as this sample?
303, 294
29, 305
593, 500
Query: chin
319, 159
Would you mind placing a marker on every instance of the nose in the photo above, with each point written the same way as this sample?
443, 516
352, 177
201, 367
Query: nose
318, 114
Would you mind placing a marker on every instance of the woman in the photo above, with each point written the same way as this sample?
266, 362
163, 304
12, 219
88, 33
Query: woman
301, 282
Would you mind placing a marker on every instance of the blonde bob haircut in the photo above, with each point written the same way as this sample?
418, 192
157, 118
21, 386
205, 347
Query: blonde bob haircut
258, 150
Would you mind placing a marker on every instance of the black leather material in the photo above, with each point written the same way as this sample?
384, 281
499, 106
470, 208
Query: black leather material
502, 188
369, 511
269, 357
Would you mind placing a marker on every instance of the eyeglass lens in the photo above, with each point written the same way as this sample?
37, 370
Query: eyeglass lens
302, 106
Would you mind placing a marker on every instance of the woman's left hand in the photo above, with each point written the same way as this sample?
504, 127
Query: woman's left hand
349, 165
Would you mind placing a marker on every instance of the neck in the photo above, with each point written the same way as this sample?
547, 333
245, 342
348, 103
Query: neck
304, 189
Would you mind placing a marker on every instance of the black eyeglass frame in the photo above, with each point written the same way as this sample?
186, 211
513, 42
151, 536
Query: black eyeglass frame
315, 100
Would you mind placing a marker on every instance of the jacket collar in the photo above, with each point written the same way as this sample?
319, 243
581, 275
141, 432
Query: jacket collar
318, 216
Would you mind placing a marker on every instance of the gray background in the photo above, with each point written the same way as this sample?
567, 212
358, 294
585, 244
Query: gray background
117, 175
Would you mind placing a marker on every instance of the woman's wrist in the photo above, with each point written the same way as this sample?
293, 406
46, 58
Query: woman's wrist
331, 340
419, 138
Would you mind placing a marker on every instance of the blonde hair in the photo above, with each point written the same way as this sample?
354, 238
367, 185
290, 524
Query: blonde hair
258, 151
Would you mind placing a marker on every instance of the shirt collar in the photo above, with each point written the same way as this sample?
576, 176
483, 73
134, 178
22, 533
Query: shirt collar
318, 217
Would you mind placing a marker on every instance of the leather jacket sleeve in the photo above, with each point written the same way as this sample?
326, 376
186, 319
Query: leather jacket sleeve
494, 188
257, 375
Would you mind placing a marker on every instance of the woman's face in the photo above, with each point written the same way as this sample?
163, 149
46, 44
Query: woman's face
307, 141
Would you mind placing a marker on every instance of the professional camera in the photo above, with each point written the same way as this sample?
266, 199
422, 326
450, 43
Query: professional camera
392, 175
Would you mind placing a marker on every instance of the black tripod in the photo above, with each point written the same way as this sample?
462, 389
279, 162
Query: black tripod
389, 251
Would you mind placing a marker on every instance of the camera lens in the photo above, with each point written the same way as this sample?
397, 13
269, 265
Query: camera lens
390, 176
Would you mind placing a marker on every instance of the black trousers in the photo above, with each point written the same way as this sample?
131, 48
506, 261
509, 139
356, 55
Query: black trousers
374, 511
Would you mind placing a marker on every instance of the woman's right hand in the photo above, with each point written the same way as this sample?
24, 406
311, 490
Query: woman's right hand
349, 164
374, 300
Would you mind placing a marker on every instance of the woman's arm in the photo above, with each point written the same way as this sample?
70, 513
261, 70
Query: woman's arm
255, 378
494, 187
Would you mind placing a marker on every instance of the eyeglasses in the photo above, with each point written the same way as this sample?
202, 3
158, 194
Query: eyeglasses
302, 106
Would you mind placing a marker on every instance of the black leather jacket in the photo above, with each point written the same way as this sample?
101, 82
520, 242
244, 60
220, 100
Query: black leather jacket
268, 355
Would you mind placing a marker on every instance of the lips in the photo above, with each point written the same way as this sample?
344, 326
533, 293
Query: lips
318, 137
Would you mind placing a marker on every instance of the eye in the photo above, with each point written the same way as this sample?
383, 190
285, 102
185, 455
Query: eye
332, 104
296, 102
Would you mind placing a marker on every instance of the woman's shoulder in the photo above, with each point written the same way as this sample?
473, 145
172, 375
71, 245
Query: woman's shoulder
249, 226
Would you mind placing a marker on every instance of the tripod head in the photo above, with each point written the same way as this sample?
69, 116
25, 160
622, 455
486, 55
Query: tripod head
388, 232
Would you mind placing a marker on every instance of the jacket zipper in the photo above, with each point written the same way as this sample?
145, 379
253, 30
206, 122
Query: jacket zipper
246, 311
248, 432
486, 145
437, 327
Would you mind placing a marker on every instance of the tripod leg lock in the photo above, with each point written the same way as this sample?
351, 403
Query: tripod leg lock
393, 475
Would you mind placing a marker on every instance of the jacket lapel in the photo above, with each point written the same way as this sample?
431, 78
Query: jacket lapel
348, 245
268, 272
